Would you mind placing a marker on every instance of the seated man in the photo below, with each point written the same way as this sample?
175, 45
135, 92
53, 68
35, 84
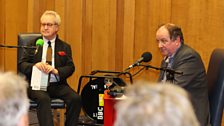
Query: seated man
14, 103
180, 57
59, 68
155, 105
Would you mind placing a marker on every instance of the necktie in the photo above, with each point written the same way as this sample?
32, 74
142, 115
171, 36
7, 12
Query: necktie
167, 76
170, 62
49, 53
48, 60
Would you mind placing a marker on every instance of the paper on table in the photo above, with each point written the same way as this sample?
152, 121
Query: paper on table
39, 79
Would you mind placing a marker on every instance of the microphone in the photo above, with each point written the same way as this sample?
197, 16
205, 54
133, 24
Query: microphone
39, 43
146, 57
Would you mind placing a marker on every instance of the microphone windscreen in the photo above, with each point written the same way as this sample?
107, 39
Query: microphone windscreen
39, 42
147, 56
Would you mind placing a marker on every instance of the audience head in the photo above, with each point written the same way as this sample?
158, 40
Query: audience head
150, 104
14, 103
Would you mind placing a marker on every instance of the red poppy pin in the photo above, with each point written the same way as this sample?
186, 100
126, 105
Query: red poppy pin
61, 53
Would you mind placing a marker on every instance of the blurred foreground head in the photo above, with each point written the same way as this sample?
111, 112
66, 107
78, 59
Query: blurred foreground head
14, 103
149, 104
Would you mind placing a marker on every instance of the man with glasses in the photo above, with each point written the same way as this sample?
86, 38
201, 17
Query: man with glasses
180, 57
59, 68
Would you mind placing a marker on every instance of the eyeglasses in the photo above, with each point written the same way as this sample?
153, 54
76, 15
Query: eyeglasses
47, 24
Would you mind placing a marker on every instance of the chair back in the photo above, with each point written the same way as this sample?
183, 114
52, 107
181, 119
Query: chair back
23, 39
215, 75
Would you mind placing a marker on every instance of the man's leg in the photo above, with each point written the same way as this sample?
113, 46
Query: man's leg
44, 113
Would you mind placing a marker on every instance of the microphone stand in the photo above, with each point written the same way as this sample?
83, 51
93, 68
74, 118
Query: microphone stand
171, 71
114, 72
10, 46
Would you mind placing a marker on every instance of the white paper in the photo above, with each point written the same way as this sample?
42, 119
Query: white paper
39, 79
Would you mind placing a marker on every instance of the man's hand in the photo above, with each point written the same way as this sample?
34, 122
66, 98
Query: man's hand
46, 68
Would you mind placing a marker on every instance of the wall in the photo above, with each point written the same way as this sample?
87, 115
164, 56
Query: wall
112, 34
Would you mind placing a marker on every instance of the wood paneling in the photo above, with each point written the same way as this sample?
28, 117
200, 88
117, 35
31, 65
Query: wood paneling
2, 32
119, 46
128, 35
112, 34
73, 35
15, 21
87, 36
100, 34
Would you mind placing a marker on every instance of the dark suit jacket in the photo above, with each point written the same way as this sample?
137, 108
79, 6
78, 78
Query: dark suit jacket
63, 61
194, 80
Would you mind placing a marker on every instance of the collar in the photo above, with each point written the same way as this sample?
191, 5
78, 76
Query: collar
171, 56
52, 40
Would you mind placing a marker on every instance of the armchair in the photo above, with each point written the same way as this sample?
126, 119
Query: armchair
215, 75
